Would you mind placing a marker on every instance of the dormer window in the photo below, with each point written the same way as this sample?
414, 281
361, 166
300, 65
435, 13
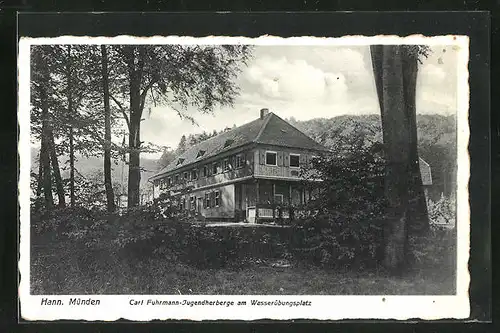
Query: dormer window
200, 153
180, 161
228, 143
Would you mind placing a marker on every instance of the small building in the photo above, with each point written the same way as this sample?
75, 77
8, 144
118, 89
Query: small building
242, 174
425, 173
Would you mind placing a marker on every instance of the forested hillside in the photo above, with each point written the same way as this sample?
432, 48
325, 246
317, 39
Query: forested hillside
436, 140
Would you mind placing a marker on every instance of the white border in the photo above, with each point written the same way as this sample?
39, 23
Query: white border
114, 307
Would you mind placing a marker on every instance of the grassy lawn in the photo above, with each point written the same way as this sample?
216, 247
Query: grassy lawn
55, 270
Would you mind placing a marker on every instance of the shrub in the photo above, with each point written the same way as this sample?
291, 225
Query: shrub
338, 242
341, 227
442, 211
434, 251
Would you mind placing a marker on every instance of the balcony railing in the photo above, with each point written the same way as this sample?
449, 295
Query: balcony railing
272, 213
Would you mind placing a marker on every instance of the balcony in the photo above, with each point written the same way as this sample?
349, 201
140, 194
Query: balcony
219, 178
277, 171
272, 213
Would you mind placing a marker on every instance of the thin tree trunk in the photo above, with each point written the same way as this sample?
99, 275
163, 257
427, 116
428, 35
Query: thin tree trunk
44, 148
46, 172
134, 172
70, 130
107, 133
135, 64
40, 174
395, 78
56, 170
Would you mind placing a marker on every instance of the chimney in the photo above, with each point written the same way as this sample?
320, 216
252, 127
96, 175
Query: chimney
263, 113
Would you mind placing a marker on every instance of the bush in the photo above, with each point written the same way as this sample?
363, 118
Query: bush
442, 211
434, 251
338, 242
341, 228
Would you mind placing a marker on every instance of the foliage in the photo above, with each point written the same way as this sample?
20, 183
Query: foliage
436, 141
442, 211
434, 250
349, 203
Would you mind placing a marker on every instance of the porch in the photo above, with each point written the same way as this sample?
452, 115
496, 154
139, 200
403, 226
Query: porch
263, 200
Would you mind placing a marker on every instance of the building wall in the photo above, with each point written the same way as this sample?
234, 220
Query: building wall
282, 169
222, 176
226, 208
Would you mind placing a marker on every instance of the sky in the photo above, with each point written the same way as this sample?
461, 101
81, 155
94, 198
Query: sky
307, 82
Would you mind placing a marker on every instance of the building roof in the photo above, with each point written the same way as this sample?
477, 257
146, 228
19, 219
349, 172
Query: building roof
269, 129
425, 172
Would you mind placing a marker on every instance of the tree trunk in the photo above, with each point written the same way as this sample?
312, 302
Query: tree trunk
135, 63
56, 170
44, 148
418, 216
395, 78
40, 175
46, 174
134, 172
70, 130
107, 133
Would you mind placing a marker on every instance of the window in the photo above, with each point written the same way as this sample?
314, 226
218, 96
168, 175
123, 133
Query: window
169, 181
194, 174
177, 179
278, 198
217, 198
226, 165
200, 153
239, 161
192, 203
207, 200
271, 158
294, 160
205, 171
215, 168
186, 175
180, 161
183, 203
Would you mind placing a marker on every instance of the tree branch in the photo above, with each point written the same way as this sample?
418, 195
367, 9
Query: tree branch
122, 109
145, 92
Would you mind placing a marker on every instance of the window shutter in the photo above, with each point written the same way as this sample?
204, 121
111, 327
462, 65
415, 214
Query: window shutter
279, 157
302, 160
262, 159
286, 160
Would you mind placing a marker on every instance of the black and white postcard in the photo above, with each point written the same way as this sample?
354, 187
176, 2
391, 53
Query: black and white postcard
244, 178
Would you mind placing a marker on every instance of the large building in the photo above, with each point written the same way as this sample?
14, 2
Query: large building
242, 174
245, 173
